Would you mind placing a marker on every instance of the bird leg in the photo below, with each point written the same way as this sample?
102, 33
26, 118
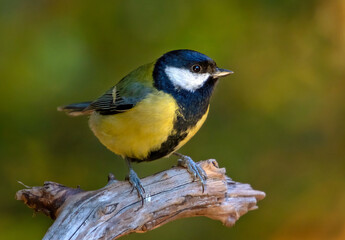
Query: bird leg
192, 167
134, 180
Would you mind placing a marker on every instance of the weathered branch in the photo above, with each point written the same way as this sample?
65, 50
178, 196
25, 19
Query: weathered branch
116, 210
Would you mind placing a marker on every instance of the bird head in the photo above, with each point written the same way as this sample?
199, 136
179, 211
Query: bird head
187, 70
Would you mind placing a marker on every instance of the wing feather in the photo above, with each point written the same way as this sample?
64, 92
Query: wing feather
127, 93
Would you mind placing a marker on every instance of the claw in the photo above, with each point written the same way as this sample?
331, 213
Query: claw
194, 168
134, 180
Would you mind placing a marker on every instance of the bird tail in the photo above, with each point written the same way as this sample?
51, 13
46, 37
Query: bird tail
76, 109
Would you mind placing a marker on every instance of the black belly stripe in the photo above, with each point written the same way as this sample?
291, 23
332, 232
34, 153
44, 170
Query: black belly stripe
181, 126
166, 148
179, 133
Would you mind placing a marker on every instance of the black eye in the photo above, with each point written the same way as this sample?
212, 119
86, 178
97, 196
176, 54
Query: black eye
196, 68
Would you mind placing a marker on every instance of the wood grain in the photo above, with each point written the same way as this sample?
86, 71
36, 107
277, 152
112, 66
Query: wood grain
116, 210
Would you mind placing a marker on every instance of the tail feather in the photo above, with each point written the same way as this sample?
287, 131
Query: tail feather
76, 109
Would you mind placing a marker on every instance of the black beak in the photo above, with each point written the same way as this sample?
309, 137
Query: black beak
221, 73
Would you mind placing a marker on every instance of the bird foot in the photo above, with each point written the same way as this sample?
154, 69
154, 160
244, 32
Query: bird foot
194, 168
134, 180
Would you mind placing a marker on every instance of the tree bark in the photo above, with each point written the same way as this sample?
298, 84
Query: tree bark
116, 210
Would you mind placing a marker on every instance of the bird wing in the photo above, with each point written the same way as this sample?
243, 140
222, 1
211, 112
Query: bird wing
127, 93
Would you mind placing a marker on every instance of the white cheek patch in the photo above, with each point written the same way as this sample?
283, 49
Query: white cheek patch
185, 79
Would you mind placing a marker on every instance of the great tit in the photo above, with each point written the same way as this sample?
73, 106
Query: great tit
154, 110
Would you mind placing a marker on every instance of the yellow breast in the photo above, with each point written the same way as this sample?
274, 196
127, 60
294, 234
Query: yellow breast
139, 130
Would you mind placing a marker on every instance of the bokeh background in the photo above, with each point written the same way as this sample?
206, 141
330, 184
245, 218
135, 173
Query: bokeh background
277, 123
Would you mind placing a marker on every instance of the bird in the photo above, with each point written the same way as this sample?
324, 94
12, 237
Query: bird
154, 110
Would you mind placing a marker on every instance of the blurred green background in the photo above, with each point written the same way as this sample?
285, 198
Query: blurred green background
277, 123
